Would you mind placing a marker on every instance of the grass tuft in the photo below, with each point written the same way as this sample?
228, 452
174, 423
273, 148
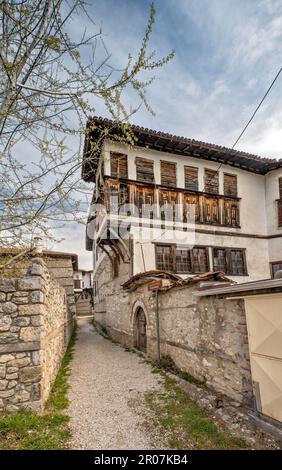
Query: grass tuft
184, 423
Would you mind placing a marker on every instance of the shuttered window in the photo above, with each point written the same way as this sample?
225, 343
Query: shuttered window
119, 165
144, 170
279, 204
230, 185
211, 181
77, 284
168, 174
211, 210
144, 201
164, 257
231, 261
191, 208
168, 201
231, 213
191, 178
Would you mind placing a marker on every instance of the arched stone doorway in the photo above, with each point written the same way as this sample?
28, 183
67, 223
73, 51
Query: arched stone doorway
140, 330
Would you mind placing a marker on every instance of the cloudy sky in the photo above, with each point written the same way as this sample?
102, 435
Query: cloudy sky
227, 53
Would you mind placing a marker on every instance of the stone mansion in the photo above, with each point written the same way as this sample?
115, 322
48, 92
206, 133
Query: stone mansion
232, 198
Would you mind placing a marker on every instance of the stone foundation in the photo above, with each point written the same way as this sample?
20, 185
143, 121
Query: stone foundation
33, 321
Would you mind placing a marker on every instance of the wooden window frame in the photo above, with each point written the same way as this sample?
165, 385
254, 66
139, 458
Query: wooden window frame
228, 259
205, 181
166, 162
193, 188
271, 264
173, 248
234, 176
118, 156
138, 161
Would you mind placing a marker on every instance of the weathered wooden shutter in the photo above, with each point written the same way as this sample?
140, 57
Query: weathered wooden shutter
200, 260
280, 213
230, 185
231, 213
280, 204
191, 178
280, 188
144, 198
168, 201
191, 208
183, 260
168, 174
211, 181
119, 165
211, 210
164, 257
144, 170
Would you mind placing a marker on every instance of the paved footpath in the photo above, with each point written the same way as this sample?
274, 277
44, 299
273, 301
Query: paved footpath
106, 395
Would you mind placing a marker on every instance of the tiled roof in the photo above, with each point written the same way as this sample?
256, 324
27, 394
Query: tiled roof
48, 253
175, 144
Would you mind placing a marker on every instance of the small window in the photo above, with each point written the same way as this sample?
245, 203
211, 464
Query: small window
230, 185
77, 284
164, 257
144, 170
191, 178
168, 174
168, 204
277, 266
119, 165
231, 261
183, 260
200, 260
211, 181
219, 260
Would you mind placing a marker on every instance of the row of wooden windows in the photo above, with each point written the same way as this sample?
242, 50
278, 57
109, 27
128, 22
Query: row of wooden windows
198, 208
145, 173
182, 260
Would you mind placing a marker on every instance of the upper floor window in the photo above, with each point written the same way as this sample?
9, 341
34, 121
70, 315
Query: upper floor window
211, 181
280, 203
144, 170
168, 174
191, 178
231, 213
230, 185
119, 165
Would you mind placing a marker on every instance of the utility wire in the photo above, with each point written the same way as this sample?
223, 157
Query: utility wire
257, 108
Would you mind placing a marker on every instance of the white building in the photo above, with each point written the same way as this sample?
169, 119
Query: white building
236, 199
82, 280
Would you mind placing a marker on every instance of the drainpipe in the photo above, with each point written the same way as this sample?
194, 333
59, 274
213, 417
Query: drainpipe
158, 327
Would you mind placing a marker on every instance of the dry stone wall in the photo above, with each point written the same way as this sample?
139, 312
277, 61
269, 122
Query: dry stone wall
33, 316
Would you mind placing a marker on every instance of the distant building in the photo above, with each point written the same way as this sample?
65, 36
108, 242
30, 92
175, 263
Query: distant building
82, 279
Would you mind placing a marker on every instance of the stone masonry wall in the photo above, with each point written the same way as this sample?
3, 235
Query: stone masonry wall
206, 337
33, 315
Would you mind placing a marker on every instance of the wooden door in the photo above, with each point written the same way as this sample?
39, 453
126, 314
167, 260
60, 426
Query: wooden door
141, 330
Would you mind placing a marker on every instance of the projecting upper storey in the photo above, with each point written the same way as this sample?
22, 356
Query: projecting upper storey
169, 143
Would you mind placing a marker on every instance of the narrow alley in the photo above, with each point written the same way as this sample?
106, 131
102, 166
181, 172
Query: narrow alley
107, 389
